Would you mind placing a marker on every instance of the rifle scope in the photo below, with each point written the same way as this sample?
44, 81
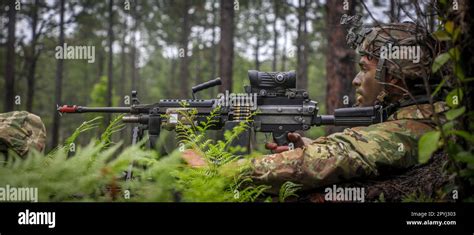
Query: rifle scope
265, 83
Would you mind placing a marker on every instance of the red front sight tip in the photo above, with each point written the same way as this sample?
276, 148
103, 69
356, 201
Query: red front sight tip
67, 109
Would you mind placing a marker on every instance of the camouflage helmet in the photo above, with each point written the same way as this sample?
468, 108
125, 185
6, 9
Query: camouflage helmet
404, 51
22, 131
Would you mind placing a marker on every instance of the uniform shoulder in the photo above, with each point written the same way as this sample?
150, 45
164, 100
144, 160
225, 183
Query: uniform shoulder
418, 112
21, 131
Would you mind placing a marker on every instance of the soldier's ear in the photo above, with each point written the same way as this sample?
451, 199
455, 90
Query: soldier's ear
392, 80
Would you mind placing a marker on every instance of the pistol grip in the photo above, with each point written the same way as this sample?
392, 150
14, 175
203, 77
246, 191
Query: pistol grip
281, 138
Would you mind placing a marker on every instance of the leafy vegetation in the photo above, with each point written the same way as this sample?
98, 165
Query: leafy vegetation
95, 172
288, 189
454, 135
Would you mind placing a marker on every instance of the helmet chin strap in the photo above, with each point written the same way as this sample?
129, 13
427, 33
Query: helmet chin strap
380, 74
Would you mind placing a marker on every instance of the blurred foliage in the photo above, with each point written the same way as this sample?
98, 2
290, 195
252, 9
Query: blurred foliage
455, 135
417, 197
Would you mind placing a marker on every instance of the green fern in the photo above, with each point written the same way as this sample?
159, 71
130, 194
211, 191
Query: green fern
287, 190
115, 126
85, 126
214, 182
96, 171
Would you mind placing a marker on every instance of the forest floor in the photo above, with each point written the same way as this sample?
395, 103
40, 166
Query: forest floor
418, 184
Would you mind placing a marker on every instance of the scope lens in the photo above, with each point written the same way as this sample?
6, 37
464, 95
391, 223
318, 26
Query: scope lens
280, 78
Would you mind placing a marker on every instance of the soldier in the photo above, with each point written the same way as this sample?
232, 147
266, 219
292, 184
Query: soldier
21, 131
363, 152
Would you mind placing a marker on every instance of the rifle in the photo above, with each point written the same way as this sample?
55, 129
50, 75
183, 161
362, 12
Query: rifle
271, 104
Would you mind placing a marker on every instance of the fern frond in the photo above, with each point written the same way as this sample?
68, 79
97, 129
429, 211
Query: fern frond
288, 189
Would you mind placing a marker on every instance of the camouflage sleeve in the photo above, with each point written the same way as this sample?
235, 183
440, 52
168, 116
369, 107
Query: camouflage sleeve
356, 152
21, 131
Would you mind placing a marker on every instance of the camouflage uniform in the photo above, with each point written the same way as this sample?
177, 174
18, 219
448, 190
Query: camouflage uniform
21, 131
356, 152
363, 151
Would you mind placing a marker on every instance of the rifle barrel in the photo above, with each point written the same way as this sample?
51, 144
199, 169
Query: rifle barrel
82, 109
106, 109
356, 116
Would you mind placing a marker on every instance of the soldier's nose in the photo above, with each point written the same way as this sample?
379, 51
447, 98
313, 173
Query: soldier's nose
356, 82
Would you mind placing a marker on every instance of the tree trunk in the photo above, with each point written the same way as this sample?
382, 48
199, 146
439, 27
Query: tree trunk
340, 66
123, 62
197, 69
133, 52
59, 79
302, 46
100, 65
133, 63
10, 59
258, 31
276, 10
32, 58
123, 81
31, 85
183, 53
307, 48
226, 47
284, 52
110, 68
214, 47
256, 53
173, 67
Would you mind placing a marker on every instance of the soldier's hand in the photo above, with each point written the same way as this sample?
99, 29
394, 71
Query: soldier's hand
295, 138
193, 158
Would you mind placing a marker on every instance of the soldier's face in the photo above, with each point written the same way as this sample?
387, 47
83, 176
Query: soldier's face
367, 87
